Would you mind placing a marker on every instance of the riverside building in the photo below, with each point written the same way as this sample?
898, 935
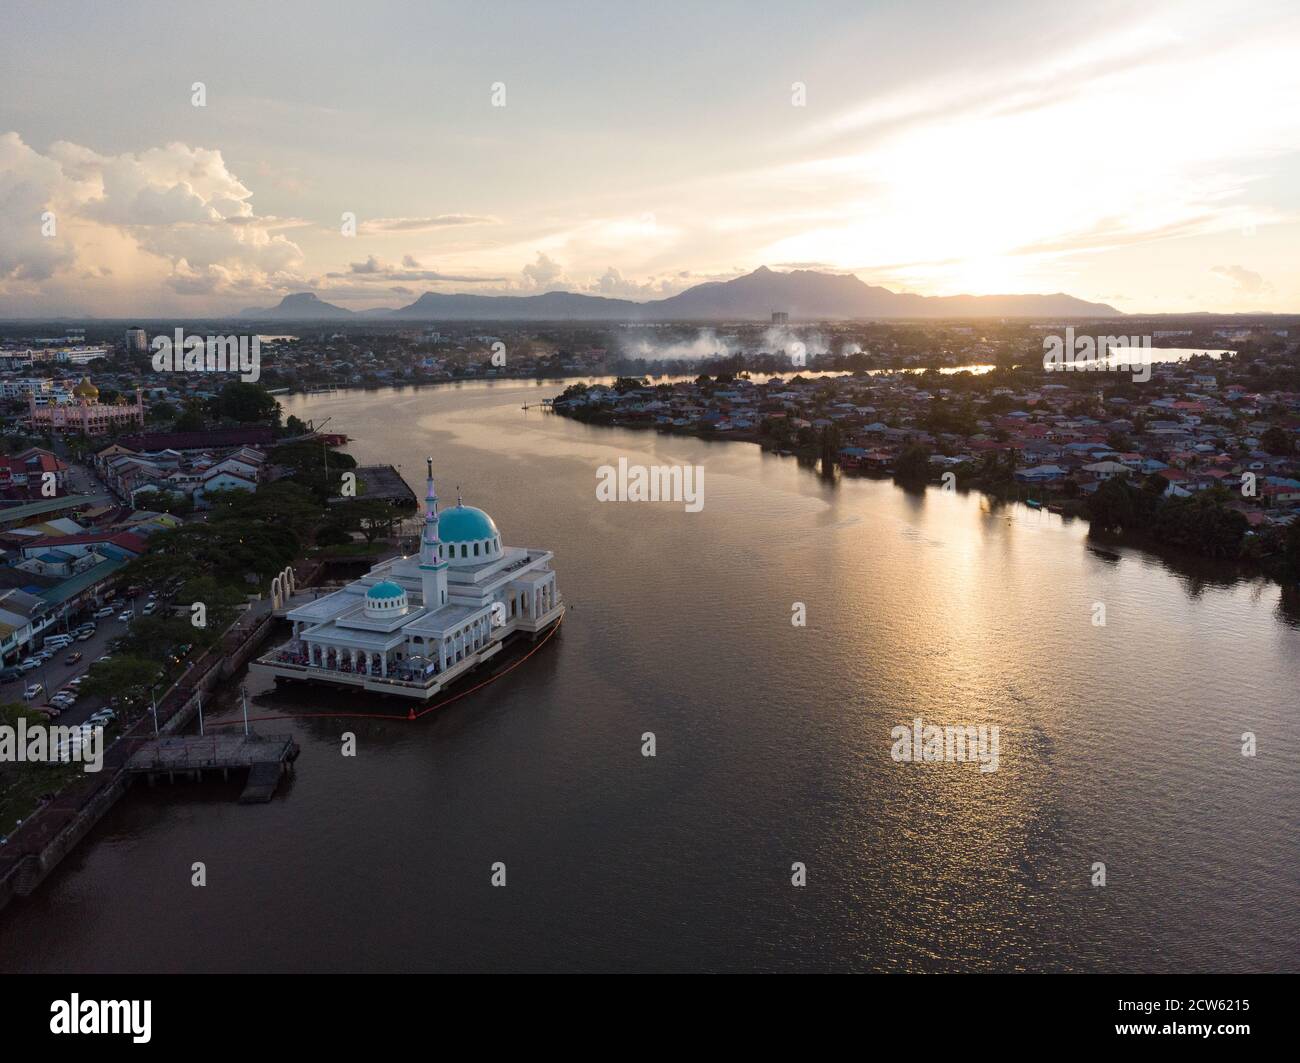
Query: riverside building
414, 624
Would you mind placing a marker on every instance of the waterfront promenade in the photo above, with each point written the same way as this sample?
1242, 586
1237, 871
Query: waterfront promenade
37, 846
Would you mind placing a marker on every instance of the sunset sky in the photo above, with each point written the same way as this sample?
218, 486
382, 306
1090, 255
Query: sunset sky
1146, 155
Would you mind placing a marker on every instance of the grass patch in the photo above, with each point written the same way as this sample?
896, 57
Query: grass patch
23, 785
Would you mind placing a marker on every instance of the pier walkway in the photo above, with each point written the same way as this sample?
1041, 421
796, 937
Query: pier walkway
267, 756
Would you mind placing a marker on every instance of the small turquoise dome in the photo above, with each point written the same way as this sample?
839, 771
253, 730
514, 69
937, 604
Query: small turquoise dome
465, 524
386, 589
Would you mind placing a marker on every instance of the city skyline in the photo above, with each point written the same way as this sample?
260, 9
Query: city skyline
1139, 156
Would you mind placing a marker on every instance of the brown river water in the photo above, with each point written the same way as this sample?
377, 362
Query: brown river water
1119, 744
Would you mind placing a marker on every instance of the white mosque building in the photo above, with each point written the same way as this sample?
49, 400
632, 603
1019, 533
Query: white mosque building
415, 624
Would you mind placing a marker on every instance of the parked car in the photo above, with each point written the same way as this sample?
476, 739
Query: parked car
76, 683
148, 609
86, 636
70, 747
8, 675
28, 664
100, 614
50, 712
103, 716
126, 616
106, 657
33, 691
72, 658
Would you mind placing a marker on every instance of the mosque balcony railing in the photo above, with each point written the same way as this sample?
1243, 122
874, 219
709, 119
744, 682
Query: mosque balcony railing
291, 656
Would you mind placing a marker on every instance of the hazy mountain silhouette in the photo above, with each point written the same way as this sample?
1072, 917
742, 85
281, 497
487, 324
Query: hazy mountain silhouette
301, 306
806, 295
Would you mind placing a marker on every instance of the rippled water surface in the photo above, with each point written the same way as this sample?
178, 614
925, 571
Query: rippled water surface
1119, 744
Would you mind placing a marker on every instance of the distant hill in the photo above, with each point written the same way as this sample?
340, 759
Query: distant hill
553, 306
811, 296
302, 306
806, 295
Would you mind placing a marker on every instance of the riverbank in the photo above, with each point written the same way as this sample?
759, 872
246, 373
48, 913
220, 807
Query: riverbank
52, 831
773, 746
1046, 444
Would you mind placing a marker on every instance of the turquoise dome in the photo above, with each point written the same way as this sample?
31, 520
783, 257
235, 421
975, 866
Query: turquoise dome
465, 524
386, 589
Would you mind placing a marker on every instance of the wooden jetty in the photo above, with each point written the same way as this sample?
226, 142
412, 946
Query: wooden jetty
267, 758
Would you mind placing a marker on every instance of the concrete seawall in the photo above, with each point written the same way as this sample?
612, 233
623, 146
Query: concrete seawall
37, 847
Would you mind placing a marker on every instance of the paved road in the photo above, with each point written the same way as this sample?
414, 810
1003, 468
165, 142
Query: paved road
54, 674
81, 479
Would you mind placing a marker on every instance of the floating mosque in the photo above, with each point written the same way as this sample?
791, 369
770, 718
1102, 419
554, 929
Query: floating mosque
414, 624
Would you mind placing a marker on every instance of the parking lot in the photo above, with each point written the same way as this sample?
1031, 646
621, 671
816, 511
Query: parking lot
54, 675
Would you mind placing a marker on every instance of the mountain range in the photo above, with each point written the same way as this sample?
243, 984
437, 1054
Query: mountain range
806, 295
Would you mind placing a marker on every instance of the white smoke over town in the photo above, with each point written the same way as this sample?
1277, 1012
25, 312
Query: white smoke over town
782, 339
708, 344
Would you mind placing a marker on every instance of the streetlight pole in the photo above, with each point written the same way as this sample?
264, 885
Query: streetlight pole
198, 694
153, 707
243, 697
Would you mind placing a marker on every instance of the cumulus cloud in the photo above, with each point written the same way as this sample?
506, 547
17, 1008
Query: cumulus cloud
545, 272
179, 206
376, 269
613, 283
1245, 280
31, 185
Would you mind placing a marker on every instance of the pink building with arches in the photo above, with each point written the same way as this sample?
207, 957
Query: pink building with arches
85, 413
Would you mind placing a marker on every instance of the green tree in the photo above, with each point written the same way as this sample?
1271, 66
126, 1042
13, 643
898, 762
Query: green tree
1291, 549
913, 465
13, 711
315, 466
281, 503
247, 403
125, 677
1203, 523
175, 502
370, 516
332, 534
191, 418
1276, 440
1117, 505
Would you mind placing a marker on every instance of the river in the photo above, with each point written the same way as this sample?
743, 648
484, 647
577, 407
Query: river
1119, 745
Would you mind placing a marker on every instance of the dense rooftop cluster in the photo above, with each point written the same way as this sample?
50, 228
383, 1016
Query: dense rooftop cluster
1202, 426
